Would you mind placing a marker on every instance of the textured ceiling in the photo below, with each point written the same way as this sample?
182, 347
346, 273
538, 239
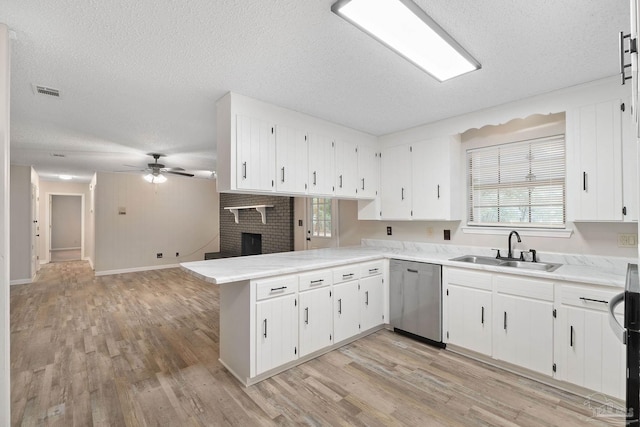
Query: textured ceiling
143, 76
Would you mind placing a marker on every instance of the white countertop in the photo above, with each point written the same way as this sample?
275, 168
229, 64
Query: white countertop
229, 270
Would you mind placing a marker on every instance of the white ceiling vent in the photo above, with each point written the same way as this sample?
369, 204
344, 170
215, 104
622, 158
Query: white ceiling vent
44, 90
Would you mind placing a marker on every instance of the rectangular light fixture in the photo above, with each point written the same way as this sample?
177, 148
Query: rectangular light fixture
405, 28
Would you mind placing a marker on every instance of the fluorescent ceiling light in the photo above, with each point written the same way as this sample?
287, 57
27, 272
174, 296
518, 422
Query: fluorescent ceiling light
155, 178
407, 29
65, 177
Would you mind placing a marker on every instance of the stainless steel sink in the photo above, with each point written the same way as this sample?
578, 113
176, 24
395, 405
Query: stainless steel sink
485, 260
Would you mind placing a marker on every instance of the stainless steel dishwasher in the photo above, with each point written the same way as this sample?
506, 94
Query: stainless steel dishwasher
415, 300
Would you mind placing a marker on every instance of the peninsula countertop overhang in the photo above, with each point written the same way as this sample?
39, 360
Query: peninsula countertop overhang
237, 269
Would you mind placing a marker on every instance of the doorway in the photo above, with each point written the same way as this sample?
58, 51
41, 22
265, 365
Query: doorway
322, 223
65, 227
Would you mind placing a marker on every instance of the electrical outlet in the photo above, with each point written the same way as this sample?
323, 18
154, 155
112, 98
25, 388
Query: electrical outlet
627, 240
159, 255
447, 234
389, 232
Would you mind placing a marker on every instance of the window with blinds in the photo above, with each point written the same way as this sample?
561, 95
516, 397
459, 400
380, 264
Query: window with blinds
518, 184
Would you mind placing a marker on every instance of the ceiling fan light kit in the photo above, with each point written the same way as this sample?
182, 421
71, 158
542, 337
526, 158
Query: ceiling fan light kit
405, 28
155, 178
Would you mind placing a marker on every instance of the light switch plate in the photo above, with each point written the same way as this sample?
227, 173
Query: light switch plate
627, 240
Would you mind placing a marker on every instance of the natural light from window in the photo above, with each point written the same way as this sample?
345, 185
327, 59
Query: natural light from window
321, 217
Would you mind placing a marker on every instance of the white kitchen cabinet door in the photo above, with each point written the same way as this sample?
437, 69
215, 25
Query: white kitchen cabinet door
255, 154
321, 165
316, 320
371, 302
597, 169
368, 172
595, 359
435, 168
629, 166
523, 332
346, 176
395, 191
469, 318
346, 311
277, 332
291, 160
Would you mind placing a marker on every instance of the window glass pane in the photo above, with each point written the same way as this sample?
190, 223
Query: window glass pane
321, 217
521, 183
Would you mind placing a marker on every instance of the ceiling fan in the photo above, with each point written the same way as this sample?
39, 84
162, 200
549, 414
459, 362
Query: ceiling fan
158, 170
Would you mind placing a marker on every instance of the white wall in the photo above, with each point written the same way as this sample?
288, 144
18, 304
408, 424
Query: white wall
5, 72
66, 222
180, 215
90, 223
20, 211
47, 188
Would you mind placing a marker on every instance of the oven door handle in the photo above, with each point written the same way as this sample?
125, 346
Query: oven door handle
616, 327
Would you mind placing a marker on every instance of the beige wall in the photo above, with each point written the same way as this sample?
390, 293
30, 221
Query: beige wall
48, 188
66, 222
89, 223
180, 215
20, 177
5, 72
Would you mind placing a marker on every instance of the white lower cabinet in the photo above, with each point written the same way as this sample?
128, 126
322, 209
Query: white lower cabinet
468, 302
277, 329
589, 354
316, 320
346, 310
371, 302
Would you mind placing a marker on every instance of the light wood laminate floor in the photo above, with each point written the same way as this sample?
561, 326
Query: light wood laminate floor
141, 349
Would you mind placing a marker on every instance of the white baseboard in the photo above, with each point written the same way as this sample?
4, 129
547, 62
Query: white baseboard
135, 269
20, 282
44, 261
90, 261
65, 249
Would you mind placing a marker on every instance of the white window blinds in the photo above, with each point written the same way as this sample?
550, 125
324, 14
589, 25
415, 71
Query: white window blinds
518, 184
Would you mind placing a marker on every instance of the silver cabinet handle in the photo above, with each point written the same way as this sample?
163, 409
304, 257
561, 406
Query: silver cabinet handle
340, 181
244, 170
584, 181
347, 276
402, 194
316, 282
282, 174
281, 288
482, 316
366, 298
306, 315
618, 330
339, 305
314, 177
438, 191
505, 320
362, 184
265, 328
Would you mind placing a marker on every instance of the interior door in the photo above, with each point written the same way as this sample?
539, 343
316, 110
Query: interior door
35, 227
322, 223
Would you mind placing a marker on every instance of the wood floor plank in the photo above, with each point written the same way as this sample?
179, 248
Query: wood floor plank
141, 349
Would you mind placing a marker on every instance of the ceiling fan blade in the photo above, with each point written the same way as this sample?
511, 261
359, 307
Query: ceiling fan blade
175, 169
180, 173
132, 170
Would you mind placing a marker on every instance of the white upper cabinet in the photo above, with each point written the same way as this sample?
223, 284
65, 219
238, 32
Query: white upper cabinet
594, 172
368, 172
291, 160
346, 175
629, 167
321, 165
395, 183
435, 168
255, 154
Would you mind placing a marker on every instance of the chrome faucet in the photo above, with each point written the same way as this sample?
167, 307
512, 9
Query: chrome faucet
510, 254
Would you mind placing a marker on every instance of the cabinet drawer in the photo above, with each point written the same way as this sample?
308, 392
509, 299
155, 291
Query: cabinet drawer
275, 287
531, 288
469, 278
589, 297
371, 268
344, 274
315, 279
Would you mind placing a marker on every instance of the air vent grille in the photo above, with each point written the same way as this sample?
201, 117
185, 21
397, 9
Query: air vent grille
44, 90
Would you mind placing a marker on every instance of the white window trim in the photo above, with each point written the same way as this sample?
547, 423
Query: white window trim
564, 233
